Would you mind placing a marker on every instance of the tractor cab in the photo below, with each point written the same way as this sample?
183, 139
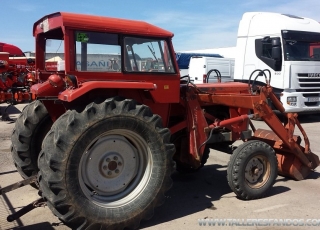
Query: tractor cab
104, 53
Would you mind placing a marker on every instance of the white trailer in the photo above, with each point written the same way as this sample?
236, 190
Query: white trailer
201, 69
183, 60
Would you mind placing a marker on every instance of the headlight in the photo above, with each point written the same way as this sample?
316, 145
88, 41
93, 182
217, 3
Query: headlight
292, 101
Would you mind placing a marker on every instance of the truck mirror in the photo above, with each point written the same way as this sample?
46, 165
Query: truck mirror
275, 42
276, 53
276, 48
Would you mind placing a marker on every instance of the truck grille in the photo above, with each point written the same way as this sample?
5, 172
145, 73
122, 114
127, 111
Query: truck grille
308, 83
310, 87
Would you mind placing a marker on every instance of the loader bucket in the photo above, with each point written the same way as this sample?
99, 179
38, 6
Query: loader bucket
290, 166
295, 164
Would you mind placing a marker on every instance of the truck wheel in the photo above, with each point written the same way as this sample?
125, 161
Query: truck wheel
106, 167
30, 129
252, 170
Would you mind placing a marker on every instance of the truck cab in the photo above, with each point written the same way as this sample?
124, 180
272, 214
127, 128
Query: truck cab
288, 46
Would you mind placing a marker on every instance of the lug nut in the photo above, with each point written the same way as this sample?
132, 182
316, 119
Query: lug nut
105, 167
117, 171
107, 160
109, 173
119, 163
115, 158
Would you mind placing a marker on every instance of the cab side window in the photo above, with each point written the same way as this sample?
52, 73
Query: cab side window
97, 52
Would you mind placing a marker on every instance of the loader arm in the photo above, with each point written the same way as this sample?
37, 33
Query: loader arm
282, 138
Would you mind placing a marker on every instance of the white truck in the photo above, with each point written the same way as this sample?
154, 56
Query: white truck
288, 46
202, 69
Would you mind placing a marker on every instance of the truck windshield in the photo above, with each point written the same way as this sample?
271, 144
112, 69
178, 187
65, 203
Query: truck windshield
301, 46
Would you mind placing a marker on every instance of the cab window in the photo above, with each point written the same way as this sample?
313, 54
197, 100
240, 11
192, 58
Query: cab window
97, 52
147, 55
54, 55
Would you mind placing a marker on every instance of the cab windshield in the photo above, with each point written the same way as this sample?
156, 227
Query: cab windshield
301, 46
147, 55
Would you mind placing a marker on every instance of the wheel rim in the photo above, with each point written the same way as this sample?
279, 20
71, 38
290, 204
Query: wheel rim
115, 168
257, 171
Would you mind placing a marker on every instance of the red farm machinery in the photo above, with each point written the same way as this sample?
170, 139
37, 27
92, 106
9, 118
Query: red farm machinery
110, 132
17, 75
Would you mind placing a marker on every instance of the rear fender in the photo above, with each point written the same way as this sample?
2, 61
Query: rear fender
71, 94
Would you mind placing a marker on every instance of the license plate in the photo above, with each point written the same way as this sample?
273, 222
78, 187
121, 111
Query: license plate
313, 99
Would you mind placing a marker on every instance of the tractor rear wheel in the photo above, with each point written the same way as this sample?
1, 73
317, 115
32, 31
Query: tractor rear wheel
252, 170
30, 129
106, 167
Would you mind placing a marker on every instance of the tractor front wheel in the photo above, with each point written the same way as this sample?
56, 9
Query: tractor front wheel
106, 167
252, 170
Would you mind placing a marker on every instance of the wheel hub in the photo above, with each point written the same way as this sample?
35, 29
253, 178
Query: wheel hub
254, 170
109, 165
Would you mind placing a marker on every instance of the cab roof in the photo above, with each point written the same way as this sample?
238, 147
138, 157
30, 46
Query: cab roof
98, 24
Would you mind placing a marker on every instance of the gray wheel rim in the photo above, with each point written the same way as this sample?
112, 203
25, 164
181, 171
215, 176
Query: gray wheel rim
115, 168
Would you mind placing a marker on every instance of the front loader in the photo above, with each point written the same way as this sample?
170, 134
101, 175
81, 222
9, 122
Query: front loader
103, 139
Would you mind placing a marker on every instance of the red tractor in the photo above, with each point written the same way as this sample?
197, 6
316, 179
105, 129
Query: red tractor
103, 142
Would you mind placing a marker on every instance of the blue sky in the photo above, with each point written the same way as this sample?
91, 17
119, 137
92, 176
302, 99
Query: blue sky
197, 24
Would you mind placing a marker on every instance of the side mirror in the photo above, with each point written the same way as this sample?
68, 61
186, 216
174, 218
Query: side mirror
276, 53
276, 48
275, 42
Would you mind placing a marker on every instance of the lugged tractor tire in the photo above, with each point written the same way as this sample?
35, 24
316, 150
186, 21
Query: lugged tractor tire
252, 170
106, 167
30, 129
